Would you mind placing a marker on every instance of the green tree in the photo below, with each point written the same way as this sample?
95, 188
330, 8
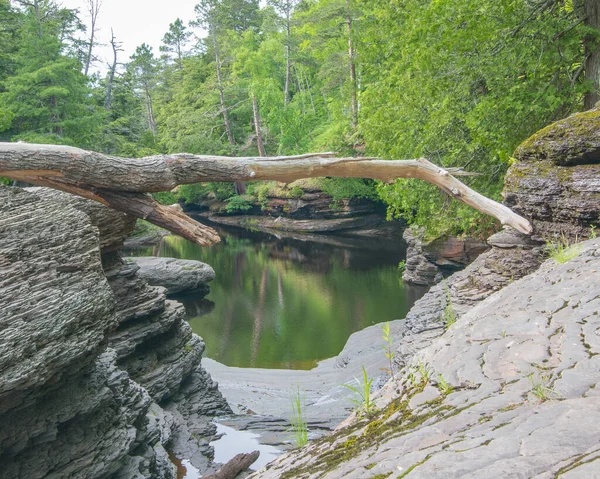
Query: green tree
175, 41
462, 83
143, 70
47, 96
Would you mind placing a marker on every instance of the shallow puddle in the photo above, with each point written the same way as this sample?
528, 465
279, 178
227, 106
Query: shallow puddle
234, 442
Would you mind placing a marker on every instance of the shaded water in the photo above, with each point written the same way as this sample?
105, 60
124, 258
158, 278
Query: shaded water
288, 302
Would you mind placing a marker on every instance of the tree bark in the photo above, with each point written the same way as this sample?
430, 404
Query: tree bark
353, 84
149, 109
111, 75
113, 180
259, 138
592, 50
286, 91
239, 463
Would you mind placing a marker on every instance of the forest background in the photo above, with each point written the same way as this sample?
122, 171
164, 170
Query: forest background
460, 82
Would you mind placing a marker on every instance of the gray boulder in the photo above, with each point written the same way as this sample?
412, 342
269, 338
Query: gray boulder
176, 275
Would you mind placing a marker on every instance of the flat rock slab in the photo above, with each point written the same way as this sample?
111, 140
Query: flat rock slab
524, 367
176, 275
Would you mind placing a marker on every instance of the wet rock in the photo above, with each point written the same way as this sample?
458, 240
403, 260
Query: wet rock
176, 275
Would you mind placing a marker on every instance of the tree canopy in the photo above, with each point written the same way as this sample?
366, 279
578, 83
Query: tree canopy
461, 82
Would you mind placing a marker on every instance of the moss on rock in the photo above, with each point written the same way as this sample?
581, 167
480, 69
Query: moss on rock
572, 141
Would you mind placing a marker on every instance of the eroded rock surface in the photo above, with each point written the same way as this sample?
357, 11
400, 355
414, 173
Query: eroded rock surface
509, 390
65, 408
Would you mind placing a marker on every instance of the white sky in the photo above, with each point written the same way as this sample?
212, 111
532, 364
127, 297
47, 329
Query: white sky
134, 22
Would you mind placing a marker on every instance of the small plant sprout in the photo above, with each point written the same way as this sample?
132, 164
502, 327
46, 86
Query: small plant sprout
298, 426
562, 251
364, 405
443, 385
503, 334
425, 371
593, 233
387, 347
540, 387
449, 314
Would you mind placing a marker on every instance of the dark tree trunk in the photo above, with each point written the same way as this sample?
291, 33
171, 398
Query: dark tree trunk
592, 50
259, 138
353, 83
239, 463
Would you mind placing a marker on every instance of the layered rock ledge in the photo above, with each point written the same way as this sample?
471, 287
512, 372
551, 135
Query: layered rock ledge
70, 406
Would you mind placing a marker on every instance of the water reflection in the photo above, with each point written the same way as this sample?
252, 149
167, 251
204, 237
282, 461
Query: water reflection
287, 302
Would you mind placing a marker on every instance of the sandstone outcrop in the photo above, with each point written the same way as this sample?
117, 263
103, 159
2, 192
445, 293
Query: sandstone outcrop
303, 207
555, 186
70, 407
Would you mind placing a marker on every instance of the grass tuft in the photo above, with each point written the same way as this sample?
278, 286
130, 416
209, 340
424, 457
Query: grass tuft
562, 251
298, 423
364, 405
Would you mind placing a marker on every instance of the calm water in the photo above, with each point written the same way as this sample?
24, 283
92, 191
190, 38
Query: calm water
290, 302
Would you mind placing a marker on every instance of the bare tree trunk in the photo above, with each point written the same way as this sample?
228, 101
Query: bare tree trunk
149, 110
94, 11
55, 118
286, 91
353, 84
592, 50
111, 75
220, 87
121, 182
259, 139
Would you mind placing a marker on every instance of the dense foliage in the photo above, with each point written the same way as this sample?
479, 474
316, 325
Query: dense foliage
460, 82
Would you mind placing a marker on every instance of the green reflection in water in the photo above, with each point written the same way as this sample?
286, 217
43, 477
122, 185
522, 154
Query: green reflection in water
288, 304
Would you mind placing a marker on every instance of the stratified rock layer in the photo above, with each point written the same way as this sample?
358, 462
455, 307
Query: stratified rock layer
509, 391
69, 407
65, 408
428, 262
556, 182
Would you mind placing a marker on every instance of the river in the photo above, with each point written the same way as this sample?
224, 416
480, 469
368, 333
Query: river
290, 301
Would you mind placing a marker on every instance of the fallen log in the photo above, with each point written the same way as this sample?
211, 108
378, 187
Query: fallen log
121, 183
239, 463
